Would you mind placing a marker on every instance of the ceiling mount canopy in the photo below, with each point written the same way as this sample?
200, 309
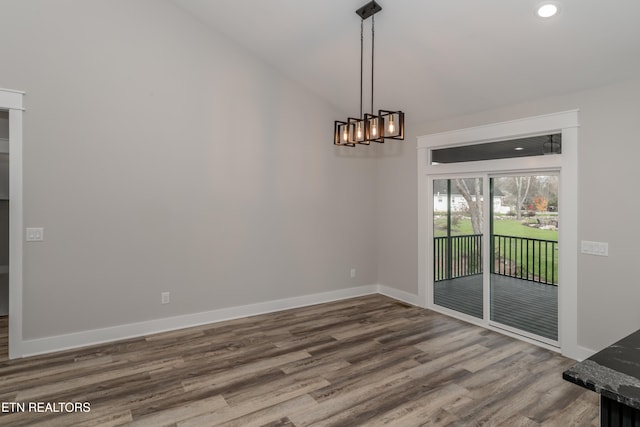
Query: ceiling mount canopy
368, 127
368, 10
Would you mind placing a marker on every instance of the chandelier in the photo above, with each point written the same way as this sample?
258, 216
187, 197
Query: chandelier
369, 127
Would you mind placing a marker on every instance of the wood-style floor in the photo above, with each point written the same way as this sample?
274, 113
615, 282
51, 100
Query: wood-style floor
365, 361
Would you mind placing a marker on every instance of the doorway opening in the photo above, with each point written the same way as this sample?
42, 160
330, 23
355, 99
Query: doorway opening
498, 227
4, 234
458, 231
522, 231
524, 253
11, 104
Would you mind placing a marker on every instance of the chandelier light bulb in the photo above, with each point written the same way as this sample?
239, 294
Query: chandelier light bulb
359, 132
392, 125
374, 127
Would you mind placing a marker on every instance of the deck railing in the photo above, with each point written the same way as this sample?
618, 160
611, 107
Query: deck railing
457, 256
523, 258
535, 260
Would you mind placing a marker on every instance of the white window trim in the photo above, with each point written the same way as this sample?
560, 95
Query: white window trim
567, 165
12, 100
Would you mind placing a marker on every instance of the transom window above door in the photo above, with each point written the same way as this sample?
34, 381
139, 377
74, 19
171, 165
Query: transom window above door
521, 147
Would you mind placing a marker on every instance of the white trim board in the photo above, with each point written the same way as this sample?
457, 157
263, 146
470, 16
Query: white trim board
583, 353
105, 335
511, 129
399, 295
12, 100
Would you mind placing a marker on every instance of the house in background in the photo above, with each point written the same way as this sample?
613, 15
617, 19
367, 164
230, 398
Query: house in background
184, 147
459, 203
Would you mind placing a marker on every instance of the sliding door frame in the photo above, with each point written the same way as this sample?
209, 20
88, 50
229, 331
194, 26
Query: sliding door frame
12, 100
489, 278
564, 164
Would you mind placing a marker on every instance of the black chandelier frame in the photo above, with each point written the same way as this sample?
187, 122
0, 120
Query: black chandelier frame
369, 127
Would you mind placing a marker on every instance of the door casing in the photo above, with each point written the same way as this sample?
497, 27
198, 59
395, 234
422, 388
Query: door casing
12, 100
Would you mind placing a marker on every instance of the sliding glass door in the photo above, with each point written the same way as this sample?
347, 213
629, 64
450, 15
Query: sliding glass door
524, 246
503, 270
457, 244
528, 250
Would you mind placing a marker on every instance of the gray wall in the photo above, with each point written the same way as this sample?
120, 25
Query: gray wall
608, 288
159, 156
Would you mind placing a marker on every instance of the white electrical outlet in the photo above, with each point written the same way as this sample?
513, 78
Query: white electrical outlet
165, 297
353, 273
35, 234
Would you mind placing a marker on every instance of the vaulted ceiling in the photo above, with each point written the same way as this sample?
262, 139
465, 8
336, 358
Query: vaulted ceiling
436, 58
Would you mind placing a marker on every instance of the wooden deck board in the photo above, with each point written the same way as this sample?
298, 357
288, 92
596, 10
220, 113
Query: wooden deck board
525, 305
367, 361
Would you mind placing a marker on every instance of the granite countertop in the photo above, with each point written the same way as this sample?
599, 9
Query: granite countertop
613, 372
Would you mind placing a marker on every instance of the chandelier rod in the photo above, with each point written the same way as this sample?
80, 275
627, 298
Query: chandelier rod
361, 61
373, 24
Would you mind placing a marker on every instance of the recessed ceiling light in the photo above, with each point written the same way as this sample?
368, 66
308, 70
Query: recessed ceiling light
519, 148
547, 10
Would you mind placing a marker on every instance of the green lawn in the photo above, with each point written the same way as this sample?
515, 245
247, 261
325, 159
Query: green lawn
506, 227
513, 227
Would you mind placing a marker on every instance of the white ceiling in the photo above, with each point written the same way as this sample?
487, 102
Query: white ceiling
436, 58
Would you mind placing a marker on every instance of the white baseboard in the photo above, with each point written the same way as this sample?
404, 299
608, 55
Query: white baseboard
99, 336
582, 353
399, 295
133, 330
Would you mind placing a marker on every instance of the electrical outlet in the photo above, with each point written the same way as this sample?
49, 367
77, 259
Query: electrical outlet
353, 273
35, 234
165, 297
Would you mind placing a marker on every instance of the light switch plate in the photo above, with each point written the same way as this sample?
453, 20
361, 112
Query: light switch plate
35, 234
595, 248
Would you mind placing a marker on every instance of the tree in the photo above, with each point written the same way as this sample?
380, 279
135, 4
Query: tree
523, 183
549, 190
541, 203
474, 201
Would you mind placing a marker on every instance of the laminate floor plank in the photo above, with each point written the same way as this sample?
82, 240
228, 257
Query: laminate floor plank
274, 413
417, 412
369, 361
247, 407
179, 413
